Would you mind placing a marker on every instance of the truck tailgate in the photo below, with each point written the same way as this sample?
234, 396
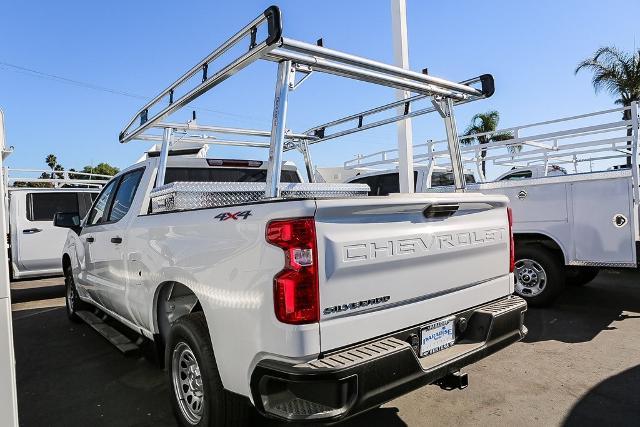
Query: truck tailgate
387, 263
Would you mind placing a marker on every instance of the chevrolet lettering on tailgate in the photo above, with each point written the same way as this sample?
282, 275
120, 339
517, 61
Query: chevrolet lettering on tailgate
376, 249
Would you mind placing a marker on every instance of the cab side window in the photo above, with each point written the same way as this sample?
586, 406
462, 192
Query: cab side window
98, 213
517, 175
43, 206
384, 184
124, 195
371, 181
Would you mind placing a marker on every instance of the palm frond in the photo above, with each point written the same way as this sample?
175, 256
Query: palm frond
614, 71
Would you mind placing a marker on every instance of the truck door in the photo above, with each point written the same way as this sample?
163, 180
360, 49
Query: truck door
107, 245
38, 244
90, 237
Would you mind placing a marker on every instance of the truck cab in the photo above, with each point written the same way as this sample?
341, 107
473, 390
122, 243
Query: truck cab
35, 244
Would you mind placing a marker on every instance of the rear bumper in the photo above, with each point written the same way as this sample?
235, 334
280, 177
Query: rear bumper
352, 380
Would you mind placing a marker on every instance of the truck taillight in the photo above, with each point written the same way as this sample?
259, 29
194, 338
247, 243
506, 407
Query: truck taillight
295, 291
512, 246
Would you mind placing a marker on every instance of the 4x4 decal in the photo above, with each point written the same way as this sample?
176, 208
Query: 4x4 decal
235, 216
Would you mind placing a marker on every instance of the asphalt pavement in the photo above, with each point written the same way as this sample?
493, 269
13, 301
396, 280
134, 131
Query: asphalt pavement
578, 366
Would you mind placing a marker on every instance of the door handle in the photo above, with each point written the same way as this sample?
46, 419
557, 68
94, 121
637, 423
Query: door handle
90, 239
31, 230
116, 240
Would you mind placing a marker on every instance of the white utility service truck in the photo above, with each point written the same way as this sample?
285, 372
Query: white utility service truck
311, 301
573, 186
8, 392
35, 244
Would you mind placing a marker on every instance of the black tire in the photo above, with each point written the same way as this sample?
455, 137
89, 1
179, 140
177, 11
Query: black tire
217, 406
71, 297
538, 288
580, 276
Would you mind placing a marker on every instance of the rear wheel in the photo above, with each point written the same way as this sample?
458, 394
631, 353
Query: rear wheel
72, 299
579, 276
197, 394
539, 274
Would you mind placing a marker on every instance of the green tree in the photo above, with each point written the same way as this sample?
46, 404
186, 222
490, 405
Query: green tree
482, 129
102, 169
618, 73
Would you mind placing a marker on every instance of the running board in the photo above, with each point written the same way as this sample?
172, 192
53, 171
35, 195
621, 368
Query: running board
120, 341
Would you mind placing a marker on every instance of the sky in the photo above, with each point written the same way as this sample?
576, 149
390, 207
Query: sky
109, 56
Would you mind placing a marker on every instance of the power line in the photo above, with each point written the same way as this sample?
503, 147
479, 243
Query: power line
48, 76
79, 83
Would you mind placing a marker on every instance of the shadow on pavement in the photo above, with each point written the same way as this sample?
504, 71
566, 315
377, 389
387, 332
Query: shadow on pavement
582, 312
615, 401
377, 417
387, 417
35, 294
68, 375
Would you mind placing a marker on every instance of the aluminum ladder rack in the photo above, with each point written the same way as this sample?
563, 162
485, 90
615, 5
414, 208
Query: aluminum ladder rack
262, 39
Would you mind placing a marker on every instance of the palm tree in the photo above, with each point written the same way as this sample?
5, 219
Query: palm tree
59, 168
483, 126
618, 73
51, 161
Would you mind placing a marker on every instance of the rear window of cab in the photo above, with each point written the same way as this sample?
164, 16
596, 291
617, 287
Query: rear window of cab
224, 175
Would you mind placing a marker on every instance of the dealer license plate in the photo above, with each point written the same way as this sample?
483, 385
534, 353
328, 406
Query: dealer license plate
437, 336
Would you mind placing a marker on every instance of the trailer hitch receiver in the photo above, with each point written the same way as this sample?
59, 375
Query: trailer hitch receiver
454, 380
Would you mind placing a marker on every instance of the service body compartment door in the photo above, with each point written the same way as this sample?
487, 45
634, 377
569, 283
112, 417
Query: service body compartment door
603, 228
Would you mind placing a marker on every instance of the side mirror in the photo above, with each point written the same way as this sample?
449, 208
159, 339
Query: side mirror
67, 220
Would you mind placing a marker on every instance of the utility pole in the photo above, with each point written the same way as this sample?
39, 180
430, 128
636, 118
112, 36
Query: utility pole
8, 395
401, 59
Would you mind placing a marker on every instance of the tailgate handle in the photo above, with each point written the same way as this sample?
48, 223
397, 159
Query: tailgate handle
440, 210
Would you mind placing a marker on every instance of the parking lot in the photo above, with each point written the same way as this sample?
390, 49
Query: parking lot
579, 365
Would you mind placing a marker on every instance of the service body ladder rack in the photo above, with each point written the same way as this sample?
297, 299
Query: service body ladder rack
56, 178
596, 140
293, 57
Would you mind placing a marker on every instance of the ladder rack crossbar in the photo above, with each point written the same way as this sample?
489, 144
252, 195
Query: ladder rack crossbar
348, 59
232, 131
56, 177
49, 171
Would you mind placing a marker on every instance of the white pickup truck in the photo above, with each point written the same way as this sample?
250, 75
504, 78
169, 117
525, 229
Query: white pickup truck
311, 301
312, 307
